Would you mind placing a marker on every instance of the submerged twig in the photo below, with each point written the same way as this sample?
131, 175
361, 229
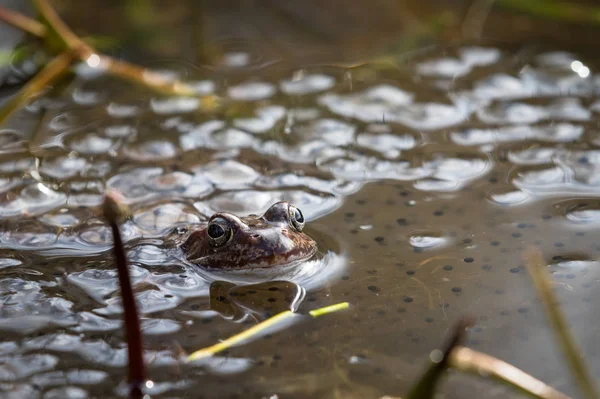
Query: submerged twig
114, 211
145, 77
470, 361
537, 269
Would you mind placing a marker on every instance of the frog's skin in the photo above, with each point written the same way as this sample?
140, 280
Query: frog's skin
229, 242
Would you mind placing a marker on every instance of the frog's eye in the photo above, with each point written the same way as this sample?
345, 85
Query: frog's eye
296, 218
219, 232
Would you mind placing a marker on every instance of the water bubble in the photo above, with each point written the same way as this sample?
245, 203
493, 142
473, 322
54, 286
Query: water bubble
9, 262
388, 145
63, 167
536, 178
228, 174
251, 91
160, 218
247, 202
582, 211
66, 392
199, 137
231, 138
445, 67
122, 110
507, 196
265, 120
174, 105
99, 283
160, 326
532, 156
92, 144
427, 239
34, 199
87, 98
154, 150
370, 106
307, 84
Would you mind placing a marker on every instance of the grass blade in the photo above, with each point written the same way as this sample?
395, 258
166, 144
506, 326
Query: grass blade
538, 271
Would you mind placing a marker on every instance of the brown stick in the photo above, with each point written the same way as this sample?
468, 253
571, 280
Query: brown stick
477, 363
23, 22
145, 77
58, 26
113, 212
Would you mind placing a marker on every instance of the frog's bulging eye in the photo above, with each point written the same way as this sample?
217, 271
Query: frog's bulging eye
296, 218
219, 232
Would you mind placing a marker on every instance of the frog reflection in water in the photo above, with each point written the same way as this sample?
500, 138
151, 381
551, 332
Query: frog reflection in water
272, 240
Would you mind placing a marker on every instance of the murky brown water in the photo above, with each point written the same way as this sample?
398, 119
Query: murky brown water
422, 186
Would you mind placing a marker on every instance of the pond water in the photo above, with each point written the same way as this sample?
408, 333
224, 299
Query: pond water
422, 186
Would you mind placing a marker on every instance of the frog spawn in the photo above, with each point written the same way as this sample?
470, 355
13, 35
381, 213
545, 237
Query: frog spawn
318, 155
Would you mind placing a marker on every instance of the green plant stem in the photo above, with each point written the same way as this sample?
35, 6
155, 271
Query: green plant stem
477, 363
23, 22
538, 271
55, 68
57, 26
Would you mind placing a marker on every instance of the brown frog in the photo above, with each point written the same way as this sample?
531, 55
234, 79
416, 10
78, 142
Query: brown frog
272, 240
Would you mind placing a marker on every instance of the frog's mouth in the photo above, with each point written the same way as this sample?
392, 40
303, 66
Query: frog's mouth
308, 272
279, 260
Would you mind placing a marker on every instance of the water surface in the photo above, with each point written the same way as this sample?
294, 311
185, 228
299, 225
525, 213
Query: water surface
422, 186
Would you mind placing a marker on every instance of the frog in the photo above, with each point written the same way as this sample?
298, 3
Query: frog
271, 241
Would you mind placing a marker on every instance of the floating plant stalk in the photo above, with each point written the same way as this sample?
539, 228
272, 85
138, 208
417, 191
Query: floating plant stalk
114, 211
254, 331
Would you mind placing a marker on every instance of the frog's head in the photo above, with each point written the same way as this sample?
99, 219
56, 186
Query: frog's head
271, 240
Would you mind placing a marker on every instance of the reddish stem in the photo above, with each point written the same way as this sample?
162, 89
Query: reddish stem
137, 370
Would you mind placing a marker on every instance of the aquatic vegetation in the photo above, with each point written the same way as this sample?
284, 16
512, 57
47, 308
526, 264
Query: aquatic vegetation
60, 40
